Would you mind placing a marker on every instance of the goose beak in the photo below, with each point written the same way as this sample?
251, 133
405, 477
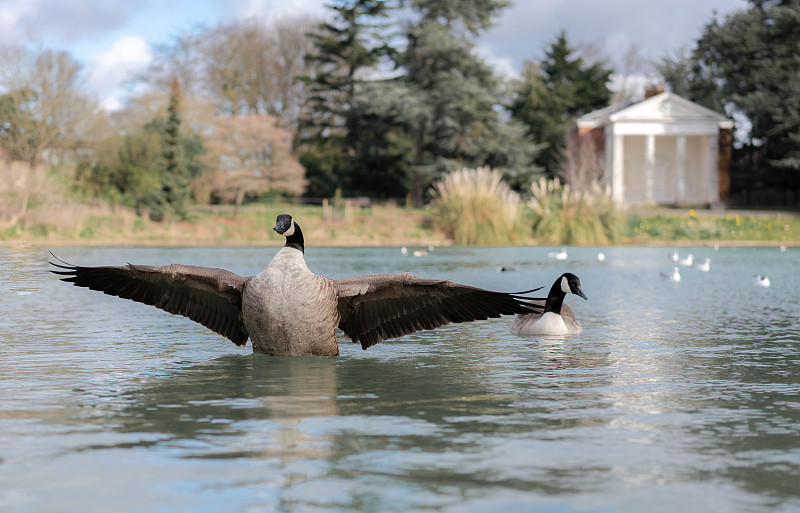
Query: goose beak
578, 291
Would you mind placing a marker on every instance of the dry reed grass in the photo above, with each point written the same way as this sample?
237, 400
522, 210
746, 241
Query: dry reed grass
563, 215
478, 208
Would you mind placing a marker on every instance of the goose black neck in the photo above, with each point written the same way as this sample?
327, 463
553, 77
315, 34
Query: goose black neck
295, 240
555, 298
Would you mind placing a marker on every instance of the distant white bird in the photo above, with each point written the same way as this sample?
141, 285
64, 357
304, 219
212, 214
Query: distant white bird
675, 275
760, 280
601, 257
783, 247
675, 257
686, 261
404, 250
419, 253
705, 265
560, 255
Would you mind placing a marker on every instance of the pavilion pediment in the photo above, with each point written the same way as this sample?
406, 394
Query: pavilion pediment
667, 108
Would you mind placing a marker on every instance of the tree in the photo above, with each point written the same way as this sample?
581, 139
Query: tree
454, 97
688, 80
345, 50
245, 66
44, 108
554, 91
751, 61
252, 155
174, 180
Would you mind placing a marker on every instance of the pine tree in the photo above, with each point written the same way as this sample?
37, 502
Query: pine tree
454, 96
554, 91
345, 49
750, 62
175, 179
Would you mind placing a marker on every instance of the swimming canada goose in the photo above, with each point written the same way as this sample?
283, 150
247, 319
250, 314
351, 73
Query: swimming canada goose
286, 310
675, 275
557, 318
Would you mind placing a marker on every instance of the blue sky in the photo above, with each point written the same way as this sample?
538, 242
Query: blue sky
113, 39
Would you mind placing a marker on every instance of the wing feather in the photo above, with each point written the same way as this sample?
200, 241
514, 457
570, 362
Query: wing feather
384, 306
209, 296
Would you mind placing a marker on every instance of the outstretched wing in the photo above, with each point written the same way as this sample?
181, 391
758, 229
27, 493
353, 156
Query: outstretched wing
211, 297
384, 306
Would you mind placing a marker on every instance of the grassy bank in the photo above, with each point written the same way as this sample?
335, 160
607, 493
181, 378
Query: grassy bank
101, 225
60, 223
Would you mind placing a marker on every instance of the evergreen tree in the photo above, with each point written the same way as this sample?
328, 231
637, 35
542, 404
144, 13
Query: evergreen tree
331, 129
454, 96
175, 179
750, 62
555, 91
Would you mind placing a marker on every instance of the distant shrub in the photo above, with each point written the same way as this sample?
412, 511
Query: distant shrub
566, 216
478, 208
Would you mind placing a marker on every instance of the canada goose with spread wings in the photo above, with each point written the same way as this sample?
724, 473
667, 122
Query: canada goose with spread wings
287, 310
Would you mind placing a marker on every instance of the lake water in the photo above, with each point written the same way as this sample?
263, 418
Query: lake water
676, 397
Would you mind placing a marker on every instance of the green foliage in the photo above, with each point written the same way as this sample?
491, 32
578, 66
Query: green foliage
559, 88
478, 208
344, 48
454, 98
175, 190
146, 169
565, 216
747, 64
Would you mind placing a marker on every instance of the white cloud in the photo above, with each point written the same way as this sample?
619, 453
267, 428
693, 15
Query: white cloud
111, 72
269, 9
11, 30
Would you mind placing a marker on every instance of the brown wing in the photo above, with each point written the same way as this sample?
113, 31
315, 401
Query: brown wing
568, 315
379, 307
212, 297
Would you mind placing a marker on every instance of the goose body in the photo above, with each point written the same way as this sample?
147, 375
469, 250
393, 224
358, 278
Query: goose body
557, 318
287, 310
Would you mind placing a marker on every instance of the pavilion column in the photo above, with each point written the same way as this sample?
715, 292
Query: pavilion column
649, 167
713, 169
617, 168
680, 161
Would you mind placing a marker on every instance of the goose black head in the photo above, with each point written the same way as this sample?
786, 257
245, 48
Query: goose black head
572, 284
286, 226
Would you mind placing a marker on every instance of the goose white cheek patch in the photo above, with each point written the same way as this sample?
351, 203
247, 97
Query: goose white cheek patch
290, 231
565, 285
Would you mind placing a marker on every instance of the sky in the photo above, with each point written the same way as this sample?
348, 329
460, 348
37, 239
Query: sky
113, 39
